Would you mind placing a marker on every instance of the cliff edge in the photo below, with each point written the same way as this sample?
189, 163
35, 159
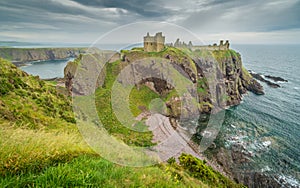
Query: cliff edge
219, 75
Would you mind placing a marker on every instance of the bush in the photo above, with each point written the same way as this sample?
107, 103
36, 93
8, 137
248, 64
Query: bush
206, 174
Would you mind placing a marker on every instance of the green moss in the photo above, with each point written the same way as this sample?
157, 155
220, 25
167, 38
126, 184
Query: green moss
202, 86
140, 99
138, 49
173, 93
246, 74
179, 57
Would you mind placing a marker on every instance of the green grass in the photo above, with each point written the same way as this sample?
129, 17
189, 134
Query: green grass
29, 102
140, 99
178, 56
40, 145
88, 171
23, 150
32, 158
206, 174
38, 158
107, 116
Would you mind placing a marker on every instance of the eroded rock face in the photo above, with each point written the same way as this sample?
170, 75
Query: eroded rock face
217, 78
84, 75
227, 80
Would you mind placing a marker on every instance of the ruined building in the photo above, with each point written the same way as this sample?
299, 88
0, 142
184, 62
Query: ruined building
221, 46
154, 43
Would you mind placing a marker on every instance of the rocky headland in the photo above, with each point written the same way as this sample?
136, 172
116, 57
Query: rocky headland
218, 81
218, 76
20, 56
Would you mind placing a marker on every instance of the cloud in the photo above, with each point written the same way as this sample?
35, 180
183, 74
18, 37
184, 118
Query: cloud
73, 18
251, 16
144, 8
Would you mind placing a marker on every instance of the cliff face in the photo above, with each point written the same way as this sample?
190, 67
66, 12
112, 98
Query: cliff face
89, 70
222, 72
218, 76
22, 55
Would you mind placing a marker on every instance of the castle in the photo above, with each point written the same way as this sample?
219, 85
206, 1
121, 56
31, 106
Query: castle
221, 46
154, 43
157, 43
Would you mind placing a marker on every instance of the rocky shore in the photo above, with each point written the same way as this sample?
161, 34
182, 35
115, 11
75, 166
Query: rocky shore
261, 78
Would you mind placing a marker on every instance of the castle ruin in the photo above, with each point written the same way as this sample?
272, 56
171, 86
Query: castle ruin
221, 46
157, 43
154, 43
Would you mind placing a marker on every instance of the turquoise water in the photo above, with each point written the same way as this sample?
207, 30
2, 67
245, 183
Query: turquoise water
268, 126
46, 69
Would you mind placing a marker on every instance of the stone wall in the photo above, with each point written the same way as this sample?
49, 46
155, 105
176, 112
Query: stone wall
213, 47
154, 43
221, 46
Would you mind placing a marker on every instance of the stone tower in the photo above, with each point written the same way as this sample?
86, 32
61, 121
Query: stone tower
154, 43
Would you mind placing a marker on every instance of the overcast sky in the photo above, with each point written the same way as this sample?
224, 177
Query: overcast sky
83, 21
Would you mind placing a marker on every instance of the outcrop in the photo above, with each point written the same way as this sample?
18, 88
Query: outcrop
89, 70
218, 77
276, 78
261, 78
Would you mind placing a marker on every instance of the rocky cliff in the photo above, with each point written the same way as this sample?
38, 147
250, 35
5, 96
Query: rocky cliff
224, 79
218, 77
21, 55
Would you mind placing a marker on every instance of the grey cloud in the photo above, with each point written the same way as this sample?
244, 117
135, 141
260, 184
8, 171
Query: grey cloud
237, 17
75, 17
144, 8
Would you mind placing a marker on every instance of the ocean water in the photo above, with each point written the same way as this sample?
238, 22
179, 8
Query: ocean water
46, 69
268, 126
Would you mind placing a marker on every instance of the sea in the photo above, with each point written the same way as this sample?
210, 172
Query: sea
46, 69
267, 126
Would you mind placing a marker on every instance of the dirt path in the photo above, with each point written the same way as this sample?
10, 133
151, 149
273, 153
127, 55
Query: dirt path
173, 142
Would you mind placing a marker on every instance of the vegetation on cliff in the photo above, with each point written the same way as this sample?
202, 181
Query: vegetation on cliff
107, 116
40, 145
231, 81
30, 102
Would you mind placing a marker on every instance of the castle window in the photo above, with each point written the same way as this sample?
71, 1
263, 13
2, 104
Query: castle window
151, 43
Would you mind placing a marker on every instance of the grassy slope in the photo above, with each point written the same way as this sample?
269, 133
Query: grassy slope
29, 102
108, 118
40, 145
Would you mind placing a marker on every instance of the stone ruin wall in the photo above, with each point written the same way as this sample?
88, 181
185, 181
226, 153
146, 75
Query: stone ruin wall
221, 46
154, 43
